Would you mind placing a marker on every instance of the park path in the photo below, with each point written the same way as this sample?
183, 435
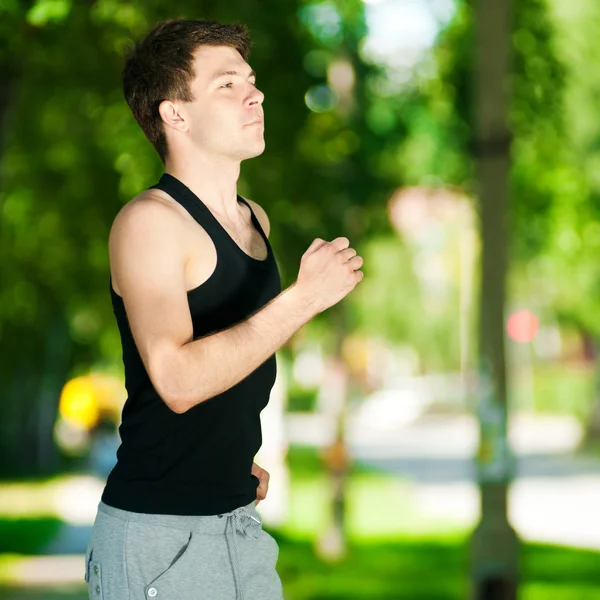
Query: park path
554, 498
555, 495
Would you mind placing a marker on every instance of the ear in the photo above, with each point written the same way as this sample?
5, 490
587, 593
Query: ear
172, 115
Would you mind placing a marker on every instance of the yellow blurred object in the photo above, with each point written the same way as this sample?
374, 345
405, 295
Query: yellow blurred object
87, 398
78, 403
355, 352
110, 395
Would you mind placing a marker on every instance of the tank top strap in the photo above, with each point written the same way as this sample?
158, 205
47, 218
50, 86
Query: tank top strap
197, 209
255, 220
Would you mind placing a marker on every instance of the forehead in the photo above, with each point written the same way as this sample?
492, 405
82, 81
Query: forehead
210, 60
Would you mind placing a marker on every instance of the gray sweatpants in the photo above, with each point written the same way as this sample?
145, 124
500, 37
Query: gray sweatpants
136, 556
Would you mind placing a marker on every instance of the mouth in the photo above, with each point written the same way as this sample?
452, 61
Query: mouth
259, 121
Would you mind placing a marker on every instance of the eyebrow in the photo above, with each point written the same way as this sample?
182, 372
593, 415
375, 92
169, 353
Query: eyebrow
226, 73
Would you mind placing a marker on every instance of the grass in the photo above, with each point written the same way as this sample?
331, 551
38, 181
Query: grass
305, 461
392, 555
428, 569
58, 593
378, 506
557, 388
401, 569
415, 568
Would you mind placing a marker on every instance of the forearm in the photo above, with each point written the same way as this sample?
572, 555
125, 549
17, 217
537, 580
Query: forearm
208, 366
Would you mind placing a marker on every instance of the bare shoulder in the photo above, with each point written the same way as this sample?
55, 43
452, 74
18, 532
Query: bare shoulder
261, 215
146, 225
147, 218
146, 209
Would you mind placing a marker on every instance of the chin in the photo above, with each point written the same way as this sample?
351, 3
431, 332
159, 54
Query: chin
257, 150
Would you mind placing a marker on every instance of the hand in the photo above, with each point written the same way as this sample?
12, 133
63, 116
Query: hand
329, 271
263, 486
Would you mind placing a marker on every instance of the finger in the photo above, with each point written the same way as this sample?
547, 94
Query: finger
356, 262
347, 253
317, 243
340, 243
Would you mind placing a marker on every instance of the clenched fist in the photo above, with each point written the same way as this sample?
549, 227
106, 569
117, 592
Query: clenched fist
329, 271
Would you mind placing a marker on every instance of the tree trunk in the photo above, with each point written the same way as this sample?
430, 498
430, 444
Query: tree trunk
494, 543
592, 432
31, 379
332, 545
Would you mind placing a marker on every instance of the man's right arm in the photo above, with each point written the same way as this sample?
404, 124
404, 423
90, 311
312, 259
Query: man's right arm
147, 259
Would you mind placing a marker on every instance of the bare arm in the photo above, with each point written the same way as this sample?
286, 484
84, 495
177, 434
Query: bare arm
217, 362
144, 249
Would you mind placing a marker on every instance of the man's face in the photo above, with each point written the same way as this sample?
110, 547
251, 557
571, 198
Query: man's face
226, 116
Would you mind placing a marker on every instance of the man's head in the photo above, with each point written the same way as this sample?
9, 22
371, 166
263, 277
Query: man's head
188, 84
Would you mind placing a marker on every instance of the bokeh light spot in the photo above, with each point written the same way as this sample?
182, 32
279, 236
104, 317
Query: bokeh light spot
522, 326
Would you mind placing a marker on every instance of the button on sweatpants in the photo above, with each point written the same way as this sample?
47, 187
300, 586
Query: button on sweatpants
137, 556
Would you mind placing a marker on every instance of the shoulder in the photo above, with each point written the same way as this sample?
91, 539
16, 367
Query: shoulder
149, 211
261, 215
148, 224
145, 238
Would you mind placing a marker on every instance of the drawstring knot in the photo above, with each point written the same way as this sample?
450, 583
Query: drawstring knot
249, 526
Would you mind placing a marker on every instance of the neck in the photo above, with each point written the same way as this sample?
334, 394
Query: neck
212, 179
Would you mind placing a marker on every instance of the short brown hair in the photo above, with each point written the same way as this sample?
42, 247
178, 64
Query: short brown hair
160, 67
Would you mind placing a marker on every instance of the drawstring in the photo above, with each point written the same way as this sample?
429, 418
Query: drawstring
239, 520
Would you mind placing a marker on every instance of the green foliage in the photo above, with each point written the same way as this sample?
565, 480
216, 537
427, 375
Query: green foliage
543, 170
301, 400
27, 536
439, 132
48, 11
441, 136
570, 258
73, 155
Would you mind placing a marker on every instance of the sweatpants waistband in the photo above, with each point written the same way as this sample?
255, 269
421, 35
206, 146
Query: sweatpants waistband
205, 524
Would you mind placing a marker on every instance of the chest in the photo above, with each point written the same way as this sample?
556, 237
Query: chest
248, 239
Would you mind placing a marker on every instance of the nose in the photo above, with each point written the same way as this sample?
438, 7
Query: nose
255, 97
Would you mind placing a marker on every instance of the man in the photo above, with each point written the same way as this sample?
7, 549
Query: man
197, 298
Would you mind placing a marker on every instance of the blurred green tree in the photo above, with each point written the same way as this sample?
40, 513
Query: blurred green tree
475, 122
73, 154
570, 258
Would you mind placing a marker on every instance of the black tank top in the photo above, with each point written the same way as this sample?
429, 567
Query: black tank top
197, 462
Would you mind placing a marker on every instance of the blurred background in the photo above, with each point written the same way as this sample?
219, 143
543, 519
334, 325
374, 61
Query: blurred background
436, 434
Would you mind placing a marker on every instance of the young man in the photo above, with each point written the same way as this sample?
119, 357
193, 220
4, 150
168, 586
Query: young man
197, 298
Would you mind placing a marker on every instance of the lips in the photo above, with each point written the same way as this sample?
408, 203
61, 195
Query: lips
259, 121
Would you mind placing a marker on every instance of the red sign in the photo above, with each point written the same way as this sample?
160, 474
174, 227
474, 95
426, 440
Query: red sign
522, 326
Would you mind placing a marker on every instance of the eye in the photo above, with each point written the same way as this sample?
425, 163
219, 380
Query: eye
227, 85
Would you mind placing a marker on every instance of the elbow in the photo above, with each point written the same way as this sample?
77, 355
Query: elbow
167, 385
175, 404
180, 401
172, 395
167, 373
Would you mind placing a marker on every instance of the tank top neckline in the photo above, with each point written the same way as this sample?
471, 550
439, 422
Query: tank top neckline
170, 181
